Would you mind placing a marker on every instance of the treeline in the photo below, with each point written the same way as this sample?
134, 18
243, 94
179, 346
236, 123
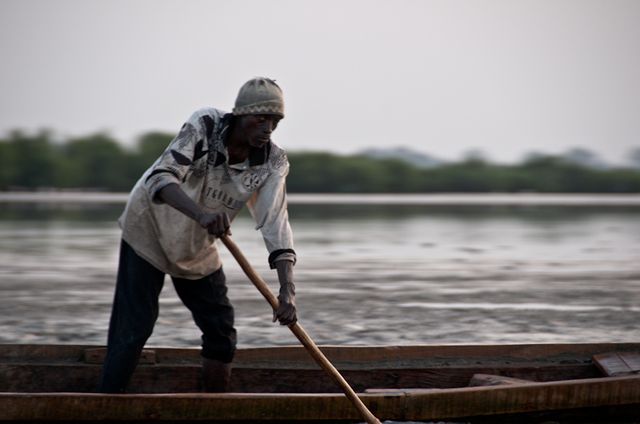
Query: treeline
99, 162
93, 162
323, 172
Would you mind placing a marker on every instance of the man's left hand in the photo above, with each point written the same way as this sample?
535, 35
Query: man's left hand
286, 312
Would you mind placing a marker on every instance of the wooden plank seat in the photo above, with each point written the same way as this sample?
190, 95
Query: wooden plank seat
479, 380
618, 364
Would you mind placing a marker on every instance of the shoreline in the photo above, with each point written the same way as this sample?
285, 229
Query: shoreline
446, 199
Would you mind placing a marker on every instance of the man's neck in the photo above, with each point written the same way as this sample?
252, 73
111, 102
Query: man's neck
237, 147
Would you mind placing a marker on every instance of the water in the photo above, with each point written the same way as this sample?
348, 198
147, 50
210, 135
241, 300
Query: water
367, 274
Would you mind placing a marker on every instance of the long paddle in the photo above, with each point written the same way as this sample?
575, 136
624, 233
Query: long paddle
299, 332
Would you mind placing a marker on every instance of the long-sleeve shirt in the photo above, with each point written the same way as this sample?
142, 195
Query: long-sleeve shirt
198, 161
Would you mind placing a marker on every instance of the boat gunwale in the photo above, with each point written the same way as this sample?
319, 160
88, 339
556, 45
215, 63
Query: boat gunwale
551, 352
398, 405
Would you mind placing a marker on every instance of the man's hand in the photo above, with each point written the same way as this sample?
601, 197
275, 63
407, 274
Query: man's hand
286, 312
216, 224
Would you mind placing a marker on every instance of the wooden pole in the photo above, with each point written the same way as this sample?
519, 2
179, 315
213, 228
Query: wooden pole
299, 332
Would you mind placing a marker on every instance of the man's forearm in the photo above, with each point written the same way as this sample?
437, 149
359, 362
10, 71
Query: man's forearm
285, 276
286, 312
173, 195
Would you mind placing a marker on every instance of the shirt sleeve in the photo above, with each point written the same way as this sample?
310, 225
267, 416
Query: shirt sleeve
175, 163
268, 206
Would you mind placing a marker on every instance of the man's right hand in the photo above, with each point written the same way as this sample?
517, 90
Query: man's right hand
215, 223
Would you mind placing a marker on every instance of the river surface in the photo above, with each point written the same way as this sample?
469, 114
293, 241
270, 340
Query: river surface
368, 274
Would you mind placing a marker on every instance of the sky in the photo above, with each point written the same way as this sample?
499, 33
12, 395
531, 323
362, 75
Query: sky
441, 77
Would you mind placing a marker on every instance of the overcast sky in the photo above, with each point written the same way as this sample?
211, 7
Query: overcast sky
443, 77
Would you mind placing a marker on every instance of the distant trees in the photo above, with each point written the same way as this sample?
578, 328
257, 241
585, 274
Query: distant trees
324, 172
99, 162
93, 162
29, 161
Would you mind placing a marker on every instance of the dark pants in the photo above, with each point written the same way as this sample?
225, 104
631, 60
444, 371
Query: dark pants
135, 311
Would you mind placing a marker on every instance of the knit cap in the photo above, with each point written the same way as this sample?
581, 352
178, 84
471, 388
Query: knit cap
259, 96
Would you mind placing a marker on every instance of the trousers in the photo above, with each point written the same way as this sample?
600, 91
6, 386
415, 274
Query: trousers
135, 311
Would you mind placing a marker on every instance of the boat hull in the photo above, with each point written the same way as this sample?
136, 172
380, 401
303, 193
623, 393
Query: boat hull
411, 383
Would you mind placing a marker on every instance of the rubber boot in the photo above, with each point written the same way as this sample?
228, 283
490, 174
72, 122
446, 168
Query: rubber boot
216, 376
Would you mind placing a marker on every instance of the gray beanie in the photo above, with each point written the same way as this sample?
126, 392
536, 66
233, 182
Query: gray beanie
259, 96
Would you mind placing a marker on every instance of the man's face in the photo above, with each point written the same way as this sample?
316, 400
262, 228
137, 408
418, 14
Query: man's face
257, 129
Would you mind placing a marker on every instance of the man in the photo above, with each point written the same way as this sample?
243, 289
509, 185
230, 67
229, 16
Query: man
216, 164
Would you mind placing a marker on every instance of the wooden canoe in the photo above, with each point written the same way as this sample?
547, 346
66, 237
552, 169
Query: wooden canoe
539, 382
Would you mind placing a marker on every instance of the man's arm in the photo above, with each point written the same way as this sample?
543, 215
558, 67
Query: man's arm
218, 224
286, 312
215, 223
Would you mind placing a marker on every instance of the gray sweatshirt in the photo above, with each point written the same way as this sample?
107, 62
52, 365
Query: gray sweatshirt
197, 160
